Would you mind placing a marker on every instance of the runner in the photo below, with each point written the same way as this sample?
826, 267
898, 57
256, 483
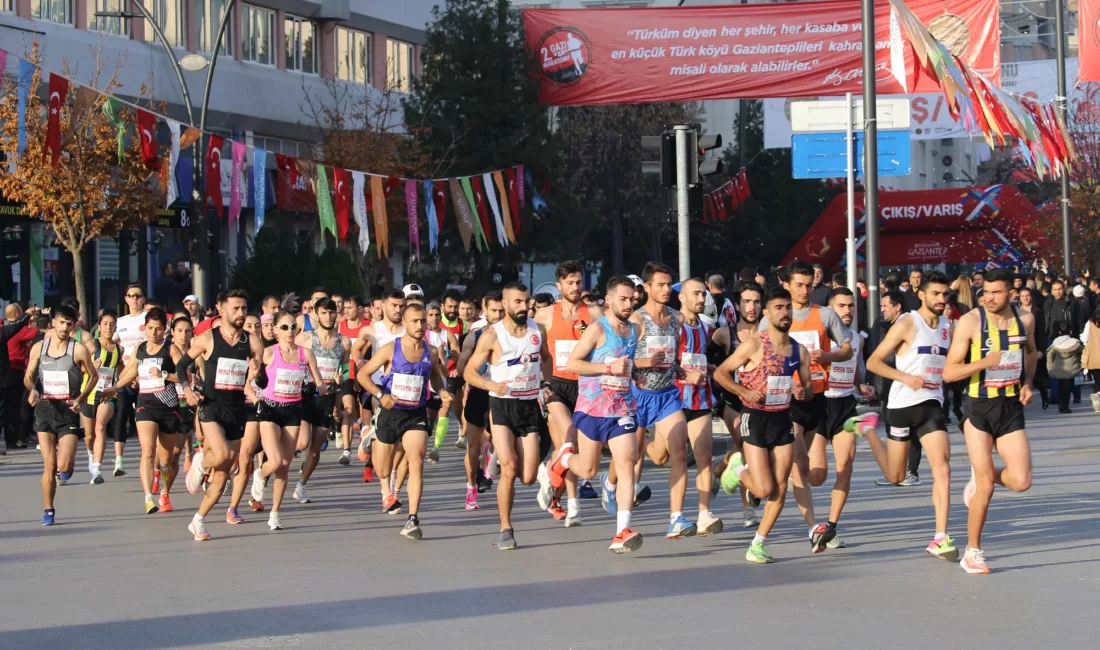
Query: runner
773, 368
564, 325
518, 357
994, 350
920, 339
153, 365
445, 341
182, 329
604, 415
385, 329
456, 330
408, 364
96, 412
248, 458
130, 333
306, 318
476, 407
229, 355
60, 365
280, 411
468, 312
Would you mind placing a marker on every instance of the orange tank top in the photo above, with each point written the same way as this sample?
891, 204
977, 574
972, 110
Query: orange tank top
811, 333
563, 337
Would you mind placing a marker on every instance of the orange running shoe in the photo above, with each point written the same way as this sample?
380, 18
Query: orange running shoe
257, 506
368, 474
555, 510
231, 516
626, 541
165, 505
156, 481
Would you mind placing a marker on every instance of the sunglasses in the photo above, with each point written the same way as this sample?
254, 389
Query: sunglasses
135, 295
285, 327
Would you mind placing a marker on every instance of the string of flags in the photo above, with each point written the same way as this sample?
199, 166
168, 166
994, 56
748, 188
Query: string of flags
718, 203
487, 206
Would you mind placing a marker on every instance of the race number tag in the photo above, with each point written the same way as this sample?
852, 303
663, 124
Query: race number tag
615, 384
811, 342
55, 384
231, 374
288, 383
562, 350
842, 376
1007, 372
695, 362
525, 381
407, 389
778, 396
932, 370
105, 376
666, 344
147, 382
328, 367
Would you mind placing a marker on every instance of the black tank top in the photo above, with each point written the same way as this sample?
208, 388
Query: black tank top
226, 370
156, 390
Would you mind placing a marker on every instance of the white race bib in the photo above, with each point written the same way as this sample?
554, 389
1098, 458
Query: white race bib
147, 383
778, 396
1007, 372
105, 376
288, 383
695, 362
231, 374
562, 350
55, 384
842, 376
810, 340
407, 389
666, 344
932, 370
525, 381
328, 367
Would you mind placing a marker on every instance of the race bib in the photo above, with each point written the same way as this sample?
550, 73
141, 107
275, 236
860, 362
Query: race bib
1007, 372
778, 396
842, 376
695, 362
231, 374
666, 344
811, 342
613, 384
932, 370
407, 389
104, 378
147, 383
525, 382
328, 367
55, 384
288, 383
562, 350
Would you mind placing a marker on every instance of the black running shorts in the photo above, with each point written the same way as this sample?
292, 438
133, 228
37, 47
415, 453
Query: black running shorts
281, 415
395, 423
766, 429
996, 416
166, 418
837, 412
916, 421
57, 418
522, 416
563, 391
476, 407
230, 418
809, 414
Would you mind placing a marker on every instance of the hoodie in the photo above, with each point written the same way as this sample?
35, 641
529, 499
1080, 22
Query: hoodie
1064, 357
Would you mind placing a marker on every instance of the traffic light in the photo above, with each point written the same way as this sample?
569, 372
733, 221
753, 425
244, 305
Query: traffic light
708, 167
664, 148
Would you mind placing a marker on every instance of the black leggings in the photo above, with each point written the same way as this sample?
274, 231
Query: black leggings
122, 424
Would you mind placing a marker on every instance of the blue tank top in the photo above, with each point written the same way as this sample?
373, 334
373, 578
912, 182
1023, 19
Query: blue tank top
606, 395
407, 381
307, 324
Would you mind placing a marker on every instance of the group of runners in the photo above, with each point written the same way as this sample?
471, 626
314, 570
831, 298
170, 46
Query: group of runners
538, 395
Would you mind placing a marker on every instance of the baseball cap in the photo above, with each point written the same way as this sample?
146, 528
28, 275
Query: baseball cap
636, 280
191, 298
411, 290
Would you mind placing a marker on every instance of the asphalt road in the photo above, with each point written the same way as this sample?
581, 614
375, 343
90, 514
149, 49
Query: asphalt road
340, 576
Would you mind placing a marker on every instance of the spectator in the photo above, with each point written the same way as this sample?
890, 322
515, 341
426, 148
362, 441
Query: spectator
1060, 309
726, 314
15, 335
169, 288
1064, 363
1029, 302
1090, 356
1081, 311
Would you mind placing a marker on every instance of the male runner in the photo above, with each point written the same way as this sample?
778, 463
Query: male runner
772, 368
60, 365
826, 338
306, 318
384, 329
130, 333
920, 339
994, 349
518, 357
604, 414
443, 334
409, 366
229, 356
475, 411
332, 352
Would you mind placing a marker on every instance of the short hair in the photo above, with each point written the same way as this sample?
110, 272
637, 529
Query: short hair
318, 290
182, 319
433, 305
69, 301
134, 285
470, 300
224, 296
840, 278
412, 306
617, 281
452, 294
544, 298
981, 273
779, 293
818, 267
912, 271
156, 314
795, 268
936, 277
107, 313
496, 295
1000, 275
566, 269
747, 275
894, 296
66, 312
749, 286
353, 300
325, 303
715, 280
840, 291
269, 297
394, 294
514, 286
653, 268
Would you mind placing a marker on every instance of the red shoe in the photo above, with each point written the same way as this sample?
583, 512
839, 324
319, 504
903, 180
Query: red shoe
368, 475
257, 506
231, 516
626, 541
391, 505
557, 470
156, 481
555, 510
165, 505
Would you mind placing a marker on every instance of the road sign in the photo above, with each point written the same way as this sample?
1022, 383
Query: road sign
824, 155
831, 115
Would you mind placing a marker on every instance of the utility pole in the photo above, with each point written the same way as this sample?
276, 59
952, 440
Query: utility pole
870, 163
1063, 102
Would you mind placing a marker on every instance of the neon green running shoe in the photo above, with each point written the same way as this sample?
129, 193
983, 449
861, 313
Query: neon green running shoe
730, 481
857, 423
943, 549
757, 554
441, 430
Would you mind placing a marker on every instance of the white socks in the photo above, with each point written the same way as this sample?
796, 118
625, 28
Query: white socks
622, 520
759, 539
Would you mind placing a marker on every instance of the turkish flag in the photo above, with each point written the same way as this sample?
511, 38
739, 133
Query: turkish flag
391, 184
513, 198
482, 209
439, 198
341, 181
147, 127
1089, 41
214, 173
59, 90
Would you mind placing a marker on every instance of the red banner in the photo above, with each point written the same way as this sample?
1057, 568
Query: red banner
944, 247
797, 49
293, 191
1089, 41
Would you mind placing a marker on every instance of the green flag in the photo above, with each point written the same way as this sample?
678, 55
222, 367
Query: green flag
479, 234
324, 204
111, 109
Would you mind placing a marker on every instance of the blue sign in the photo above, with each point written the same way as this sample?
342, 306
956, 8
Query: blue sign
824, 155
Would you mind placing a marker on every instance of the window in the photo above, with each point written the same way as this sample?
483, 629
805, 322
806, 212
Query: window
208, 19
399, 65
301, 45
171, 18
55, 11
108, 24
257, 35
7, 6
353, 55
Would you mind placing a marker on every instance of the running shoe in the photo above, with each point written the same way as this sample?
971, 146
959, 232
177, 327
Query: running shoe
507, 540
257, 506
970, 489
973, 561
858, 424
715, 480
47, 518
324, 445
331, 435
368, 474
273, 521
910, 480
165, 503
943, 549
573, 516
557, 470
345, 457
607, 496
364, 448
836, 542
433, 455
642, 493
586, 491
59, 480
231, 516
546, 491
555, 510
730, 480
1095, 399
156, 481
258, 485
391, 505
412, 528
91, 463
708, 524
471, 499
150, 505
198, 529
750, 517
300, 494
119, 471
821, 536
626, 541
884, 481
757, 554
680, 529
97, 479
195, 474
484, 484
460, 443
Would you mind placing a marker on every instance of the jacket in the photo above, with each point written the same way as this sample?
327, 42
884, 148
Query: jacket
1061, 310
874, 337
1064, 357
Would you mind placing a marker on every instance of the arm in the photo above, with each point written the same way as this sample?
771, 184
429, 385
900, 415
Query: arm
176, 357
199, 347
956, 368
803, 389
83, 359
480, 357
376, 363
32, 372
723, 374
11, 329
895, 337
464, 356
359, 348
840, 335
545, 358
592, 338
436, 378
311, 362
125, 378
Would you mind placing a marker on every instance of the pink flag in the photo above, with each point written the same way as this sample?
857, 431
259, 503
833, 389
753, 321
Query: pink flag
240, 149
521, 179
414, 225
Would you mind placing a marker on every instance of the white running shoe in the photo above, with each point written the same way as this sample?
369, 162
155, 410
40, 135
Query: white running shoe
750, 517
273, 521
195, 474
345, 457
300, 494
258, 485
546, 492
573, 516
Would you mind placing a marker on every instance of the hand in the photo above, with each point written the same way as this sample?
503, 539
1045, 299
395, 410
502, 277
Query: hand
108, 393
497, 388
1025, 394
658, 359
253, 367
74, 405
386, 401
32, 311
993, 358
913, 381
868, 392
97, 363
798, 391
815, 355
752, 397
446, 398
154, 372
546, 395
618, 366
34, 397
192, 398
695, 378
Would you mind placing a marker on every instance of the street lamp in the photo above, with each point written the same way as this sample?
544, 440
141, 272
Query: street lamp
200, 244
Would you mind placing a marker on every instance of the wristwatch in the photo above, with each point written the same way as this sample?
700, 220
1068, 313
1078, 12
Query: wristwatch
545, 385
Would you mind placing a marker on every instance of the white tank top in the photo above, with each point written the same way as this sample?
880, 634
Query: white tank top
382, 336
842, 374
520, 365
925, 358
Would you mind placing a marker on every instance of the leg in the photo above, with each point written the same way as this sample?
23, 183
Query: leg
219, 456
938, 447
891, 459
844, 453
313, 455
103, 415
562, 431
800, 475
347, 418
673, 431
382, 456
166, 445
474, 436
504, 442
913, 465
66, 452
47, 443
586, 461
415, 444
701, 435
624, 456
818, 463
249, 444
147, 437
1015, 450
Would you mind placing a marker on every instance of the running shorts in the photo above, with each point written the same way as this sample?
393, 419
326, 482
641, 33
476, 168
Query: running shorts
915, 422
253, 413
996, 416
281, 415
603, 429
89, 410
563, 391
434, 402
809, 414
476, 407
655, 405
187, 420
395, 423
837, 412
454, 385
766, 429
317, 410
167, 419
347, 387
56, 417
230, 418
695, 414
521, 416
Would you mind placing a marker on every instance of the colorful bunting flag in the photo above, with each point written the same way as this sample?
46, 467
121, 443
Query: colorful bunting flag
239, 151
111, 109
498, 179
359, 209
482, 210
515, 197
429, 212
341, 201
491, 199
59, 91
168, 170
463, 217
324, 202
381, 226
414, 226
26, 76
213, 171
147, 129
259, 181
471, 202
